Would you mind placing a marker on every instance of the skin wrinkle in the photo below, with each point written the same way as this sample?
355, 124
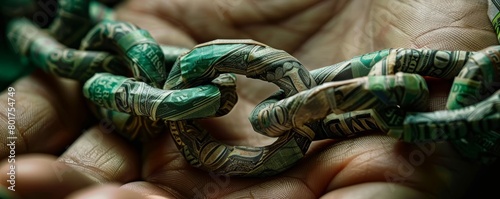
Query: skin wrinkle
273, 15
170, 157
347, 192
459, 39
286, 185
284, 14
311, 30
4, 149
120, 167
116, 168
332, 27
390, 23
331, 172
335, 175
27, 129
309, 188
369, 35
322, 162
353, 161
171, 191
95, 174
43, 102
350, 171
167, 11
106, 158
195, 34
159, 179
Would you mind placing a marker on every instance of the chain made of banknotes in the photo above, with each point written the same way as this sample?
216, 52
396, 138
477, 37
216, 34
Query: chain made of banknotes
146, 89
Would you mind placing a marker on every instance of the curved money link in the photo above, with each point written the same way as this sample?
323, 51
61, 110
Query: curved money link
478, 79
247, 57
69, 27
203, 151
426, 62
494, 15
132, 127
273, 119
123, 94
53, 57
403, 90
143, 54
255, 60
72, 22
142, 128
354, 123
481, 118
477, 146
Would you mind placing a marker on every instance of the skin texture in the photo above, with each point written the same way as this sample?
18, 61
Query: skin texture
52, 118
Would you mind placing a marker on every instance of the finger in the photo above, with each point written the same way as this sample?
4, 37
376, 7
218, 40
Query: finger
109, 191
41, 176
151, 190
103, 156
429, 167
49, 113
375, 190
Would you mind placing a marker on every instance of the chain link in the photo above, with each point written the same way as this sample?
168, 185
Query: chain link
146, 89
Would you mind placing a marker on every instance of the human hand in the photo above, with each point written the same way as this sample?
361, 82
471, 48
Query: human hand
318, 33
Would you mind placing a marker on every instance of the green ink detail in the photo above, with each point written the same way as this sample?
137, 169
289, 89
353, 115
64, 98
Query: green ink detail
361, 65
196, 63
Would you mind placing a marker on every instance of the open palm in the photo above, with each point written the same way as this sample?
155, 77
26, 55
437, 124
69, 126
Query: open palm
318, 33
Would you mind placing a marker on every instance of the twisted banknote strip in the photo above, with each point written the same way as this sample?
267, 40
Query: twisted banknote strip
47, 52
171, 88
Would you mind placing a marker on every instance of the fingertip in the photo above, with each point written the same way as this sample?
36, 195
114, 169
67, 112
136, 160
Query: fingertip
45, 114
104, 156
106, 191
41, 176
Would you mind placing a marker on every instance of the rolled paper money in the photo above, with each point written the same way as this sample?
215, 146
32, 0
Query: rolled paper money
132, 127
483, 147
100, 12
479, 78
203, 151
247, 57
403, 90
441, 64
483, 117
355, 123
72, 22
142, 52
358, 66
426, 62
206, 62
494, 15
53, 57
123, 94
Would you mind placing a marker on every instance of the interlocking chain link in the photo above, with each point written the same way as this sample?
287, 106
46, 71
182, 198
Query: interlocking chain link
145, 89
